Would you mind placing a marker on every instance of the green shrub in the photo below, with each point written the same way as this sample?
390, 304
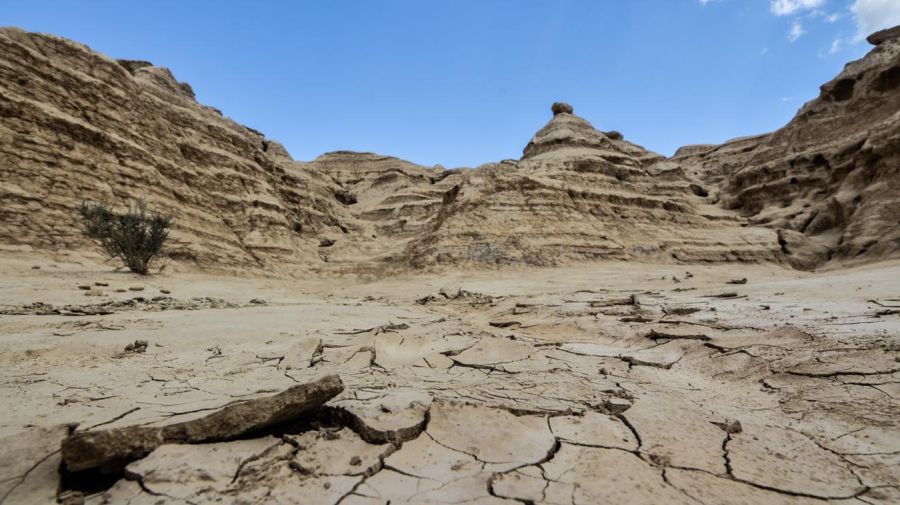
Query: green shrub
134, 236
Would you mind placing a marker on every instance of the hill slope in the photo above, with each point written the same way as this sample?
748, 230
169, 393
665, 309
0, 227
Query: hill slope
829, 180
76, 125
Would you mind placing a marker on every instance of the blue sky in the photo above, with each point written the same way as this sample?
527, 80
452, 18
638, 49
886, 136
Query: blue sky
466, 82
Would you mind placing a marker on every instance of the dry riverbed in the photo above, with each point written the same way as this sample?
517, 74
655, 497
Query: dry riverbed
605, 383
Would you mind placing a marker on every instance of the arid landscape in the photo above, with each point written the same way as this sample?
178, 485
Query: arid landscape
591, 323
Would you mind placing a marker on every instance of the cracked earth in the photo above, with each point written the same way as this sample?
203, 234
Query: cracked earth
608, 383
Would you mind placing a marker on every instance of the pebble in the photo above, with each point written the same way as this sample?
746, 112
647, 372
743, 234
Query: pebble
136, 288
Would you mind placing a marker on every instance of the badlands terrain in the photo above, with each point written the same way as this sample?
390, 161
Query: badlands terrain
591, 323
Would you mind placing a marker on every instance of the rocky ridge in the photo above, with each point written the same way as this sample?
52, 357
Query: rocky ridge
829, 179
578, 194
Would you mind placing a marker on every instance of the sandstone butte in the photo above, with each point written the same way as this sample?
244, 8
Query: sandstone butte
591, 323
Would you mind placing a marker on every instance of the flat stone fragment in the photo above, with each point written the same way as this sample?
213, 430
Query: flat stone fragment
301, 353
711, 489
784, 459
877, 470
678, 433
389, 486
661, 356
588, 349
491, 435
491, 352
29, 465
867, 440
593, 428
676, 332
395, 350
187, 471
427, 459
589, 475
337, 453
92, 449
394, 417
854, 362
297, 490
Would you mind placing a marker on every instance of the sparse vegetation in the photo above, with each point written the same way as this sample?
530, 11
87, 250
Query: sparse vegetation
135, 236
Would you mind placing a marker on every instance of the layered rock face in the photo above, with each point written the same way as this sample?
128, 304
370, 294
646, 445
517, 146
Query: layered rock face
386, 202
578, 195
76, 125
828, 180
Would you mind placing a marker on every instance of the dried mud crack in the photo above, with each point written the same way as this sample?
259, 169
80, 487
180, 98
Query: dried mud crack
590, 323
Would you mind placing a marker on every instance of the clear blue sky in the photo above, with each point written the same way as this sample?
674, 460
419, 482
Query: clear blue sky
466, 82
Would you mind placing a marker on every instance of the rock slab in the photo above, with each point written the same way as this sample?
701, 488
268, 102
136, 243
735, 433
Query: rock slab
110, 448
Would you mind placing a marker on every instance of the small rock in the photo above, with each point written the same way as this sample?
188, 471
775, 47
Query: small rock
258, 301
882, 36
165, 291
137, 347
96, 448
738, 281
731, 426
345, 197
136, 288
327, 242
36, 267
120, 290
84, 287
617, 405
561, 108
102, 284
355, 461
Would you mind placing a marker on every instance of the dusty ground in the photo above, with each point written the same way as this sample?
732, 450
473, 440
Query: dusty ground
606, 383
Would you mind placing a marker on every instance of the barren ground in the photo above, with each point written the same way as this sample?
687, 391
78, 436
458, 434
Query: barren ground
605, 383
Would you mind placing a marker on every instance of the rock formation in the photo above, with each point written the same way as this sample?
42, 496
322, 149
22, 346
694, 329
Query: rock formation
76, 125
578, 195
613, 382
828, 180
820, 188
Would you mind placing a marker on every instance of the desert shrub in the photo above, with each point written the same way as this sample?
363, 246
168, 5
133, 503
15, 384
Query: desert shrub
134, 236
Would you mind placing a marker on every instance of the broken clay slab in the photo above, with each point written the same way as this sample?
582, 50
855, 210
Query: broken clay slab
110, 448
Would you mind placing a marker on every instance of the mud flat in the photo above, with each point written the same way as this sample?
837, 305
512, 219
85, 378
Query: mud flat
614, 382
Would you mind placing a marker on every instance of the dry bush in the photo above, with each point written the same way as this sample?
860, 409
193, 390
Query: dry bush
135, 236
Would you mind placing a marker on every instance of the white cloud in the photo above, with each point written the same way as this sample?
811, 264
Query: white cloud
764, 51
788, 7
796, 31
831, 18
836, 46
874, 15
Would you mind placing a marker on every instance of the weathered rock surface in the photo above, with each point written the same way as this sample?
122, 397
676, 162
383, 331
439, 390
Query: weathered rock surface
76, 125
578, 195
239, 200
830, 174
